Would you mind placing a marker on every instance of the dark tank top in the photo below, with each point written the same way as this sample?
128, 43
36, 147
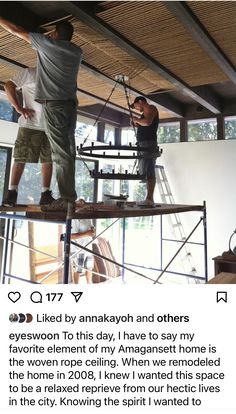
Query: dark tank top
148, 133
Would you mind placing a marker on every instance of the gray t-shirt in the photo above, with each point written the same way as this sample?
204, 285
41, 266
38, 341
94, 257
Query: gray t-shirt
57, 68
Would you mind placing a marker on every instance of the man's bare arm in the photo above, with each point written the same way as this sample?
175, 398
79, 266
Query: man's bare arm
15, 29
148, 113
11, 93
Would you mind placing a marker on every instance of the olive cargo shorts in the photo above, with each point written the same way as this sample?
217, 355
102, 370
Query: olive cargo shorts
32, 145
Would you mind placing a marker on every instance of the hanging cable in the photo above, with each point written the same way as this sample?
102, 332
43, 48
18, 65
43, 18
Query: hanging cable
131, 117
94, 124
100, 113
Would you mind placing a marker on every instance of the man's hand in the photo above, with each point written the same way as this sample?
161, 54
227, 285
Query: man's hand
92, 232
134, 121
11, 92
27, 113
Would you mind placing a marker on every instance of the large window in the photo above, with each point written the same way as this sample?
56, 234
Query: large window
3, 169
127, 136
6, 110
202, 130
84, 184
85, 129
168, 133
230, 127
30, 185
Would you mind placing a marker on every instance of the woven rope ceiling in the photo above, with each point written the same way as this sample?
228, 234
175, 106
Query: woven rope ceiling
220, 21
150, 26
155, 30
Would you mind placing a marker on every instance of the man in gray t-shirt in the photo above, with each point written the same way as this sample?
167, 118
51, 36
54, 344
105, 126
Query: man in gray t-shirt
56, 84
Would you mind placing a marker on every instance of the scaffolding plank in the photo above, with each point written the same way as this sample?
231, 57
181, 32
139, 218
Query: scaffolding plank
98, 210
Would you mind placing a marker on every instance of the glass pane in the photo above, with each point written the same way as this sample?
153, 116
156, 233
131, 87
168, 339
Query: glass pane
84, 184
168, 133
127, 136
230, 128
107, 185
109, 135
30, 187
6, 110
85, 129
203, 130
3, 163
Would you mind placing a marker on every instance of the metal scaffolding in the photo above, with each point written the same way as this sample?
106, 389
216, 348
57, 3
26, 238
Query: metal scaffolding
119, 213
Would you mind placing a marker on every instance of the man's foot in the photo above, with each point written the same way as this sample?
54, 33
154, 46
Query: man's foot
59, 205
46, 198
146, 203
10, 200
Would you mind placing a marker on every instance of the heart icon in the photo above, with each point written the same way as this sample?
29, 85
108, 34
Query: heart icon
14, 296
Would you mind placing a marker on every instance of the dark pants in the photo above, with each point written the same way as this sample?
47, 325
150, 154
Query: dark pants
60, 120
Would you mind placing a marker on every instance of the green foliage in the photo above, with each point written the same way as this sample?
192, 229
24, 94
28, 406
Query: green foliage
168, 133
230, 129
202, 130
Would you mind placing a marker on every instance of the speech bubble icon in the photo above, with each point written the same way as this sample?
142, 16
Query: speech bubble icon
14, 296
36, 297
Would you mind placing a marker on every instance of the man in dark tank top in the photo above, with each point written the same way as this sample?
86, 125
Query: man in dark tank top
147, 127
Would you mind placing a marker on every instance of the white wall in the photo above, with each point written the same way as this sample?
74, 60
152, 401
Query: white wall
200, 171
8, 132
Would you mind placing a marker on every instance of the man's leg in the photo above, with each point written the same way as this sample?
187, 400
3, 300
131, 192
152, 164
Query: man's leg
16, 174
60, 120
46, 169
151, 182
89, 276
89, 264
46, 194
76, 277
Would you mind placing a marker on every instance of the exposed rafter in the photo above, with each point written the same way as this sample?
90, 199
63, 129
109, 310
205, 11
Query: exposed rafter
117, 108
109, 115
77, 9
12, 63
187, 18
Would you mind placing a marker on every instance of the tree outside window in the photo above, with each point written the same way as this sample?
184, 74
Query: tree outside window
168, 133
230, 127
202, 130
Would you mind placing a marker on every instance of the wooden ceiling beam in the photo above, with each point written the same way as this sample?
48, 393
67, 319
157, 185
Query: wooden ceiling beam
109, 115
199, 33
13, 63
119, 109
78, 10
